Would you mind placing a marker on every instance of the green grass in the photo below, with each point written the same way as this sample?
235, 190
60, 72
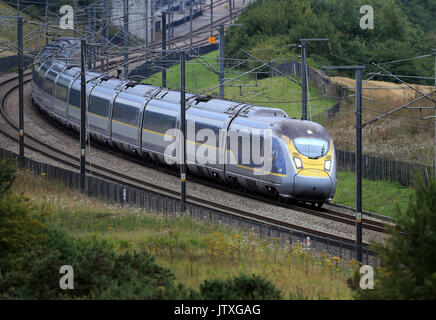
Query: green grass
193, 251
381, 197
278, 92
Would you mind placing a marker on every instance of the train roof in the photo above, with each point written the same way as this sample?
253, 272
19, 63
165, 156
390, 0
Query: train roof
294, 128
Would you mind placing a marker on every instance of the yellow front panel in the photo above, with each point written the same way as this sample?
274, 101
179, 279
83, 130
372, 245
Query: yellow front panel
311, 167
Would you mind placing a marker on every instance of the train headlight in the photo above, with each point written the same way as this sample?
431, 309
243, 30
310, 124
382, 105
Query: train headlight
327, 165
298, 163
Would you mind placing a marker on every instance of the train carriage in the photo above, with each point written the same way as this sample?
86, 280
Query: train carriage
294, 159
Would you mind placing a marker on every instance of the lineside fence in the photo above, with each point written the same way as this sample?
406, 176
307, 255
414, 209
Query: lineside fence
327, 87
118, 194
375, 168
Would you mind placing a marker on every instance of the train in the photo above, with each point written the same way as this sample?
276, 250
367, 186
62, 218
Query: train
138, 118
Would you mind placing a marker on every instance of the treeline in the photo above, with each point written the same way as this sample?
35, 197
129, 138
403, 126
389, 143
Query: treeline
402, 29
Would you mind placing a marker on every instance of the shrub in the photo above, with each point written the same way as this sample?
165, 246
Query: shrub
20, 221
408, 258
99, 273
8, 174
243, 287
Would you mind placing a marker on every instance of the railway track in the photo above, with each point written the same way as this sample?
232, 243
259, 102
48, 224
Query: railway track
103, 172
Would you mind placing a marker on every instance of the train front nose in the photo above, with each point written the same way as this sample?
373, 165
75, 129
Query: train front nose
311, 184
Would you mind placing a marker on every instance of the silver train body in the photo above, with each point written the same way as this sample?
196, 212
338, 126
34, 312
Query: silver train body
135, 118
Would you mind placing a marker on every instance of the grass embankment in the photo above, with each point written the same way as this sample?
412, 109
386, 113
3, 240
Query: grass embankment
405, 135
278, 92
193, 251
381, 197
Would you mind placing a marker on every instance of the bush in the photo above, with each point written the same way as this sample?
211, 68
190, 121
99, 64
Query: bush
408, 258
20, 221
99, 273
31, 256
243, 287
285, 22
8, 174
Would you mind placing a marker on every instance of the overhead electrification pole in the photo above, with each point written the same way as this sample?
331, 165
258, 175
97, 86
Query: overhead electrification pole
126, 38
152, 9
358, 70
183, 129
146, 30
221, 60
75, 18
94, 38
170, 4
164, 48
190, 22
46, 22
434, 51
359, 163
181, 147
82, 115
211, 18
221, 57
303, 80
88, 49
304, 75
230, 8
169, 28
20, 88
108, 17
105, 18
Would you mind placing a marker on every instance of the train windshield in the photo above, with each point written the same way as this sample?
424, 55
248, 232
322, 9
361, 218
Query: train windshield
311, 147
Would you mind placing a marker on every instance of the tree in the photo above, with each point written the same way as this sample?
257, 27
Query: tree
242, 287
409, 256
20, 221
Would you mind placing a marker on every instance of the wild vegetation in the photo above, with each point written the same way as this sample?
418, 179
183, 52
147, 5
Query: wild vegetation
408, 262
282, 23
126, 253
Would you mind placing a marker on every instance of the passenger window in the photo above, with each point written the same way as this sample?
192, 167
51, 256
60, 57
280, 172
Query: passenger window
48, 86
75, 97
158, 122
125, 114
61, 92
279, 162
99, 106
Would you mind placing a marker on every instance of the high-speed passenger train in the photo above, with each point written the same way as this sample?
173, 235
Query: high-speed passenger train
135, 118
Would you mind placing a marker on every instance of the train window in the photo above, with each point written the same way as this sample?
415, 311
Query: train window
49, 82
61, 92
125, 114
311, 147
41, 77
75, 97
48, 86
99, 106
278, 163
158, 122
36, 78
